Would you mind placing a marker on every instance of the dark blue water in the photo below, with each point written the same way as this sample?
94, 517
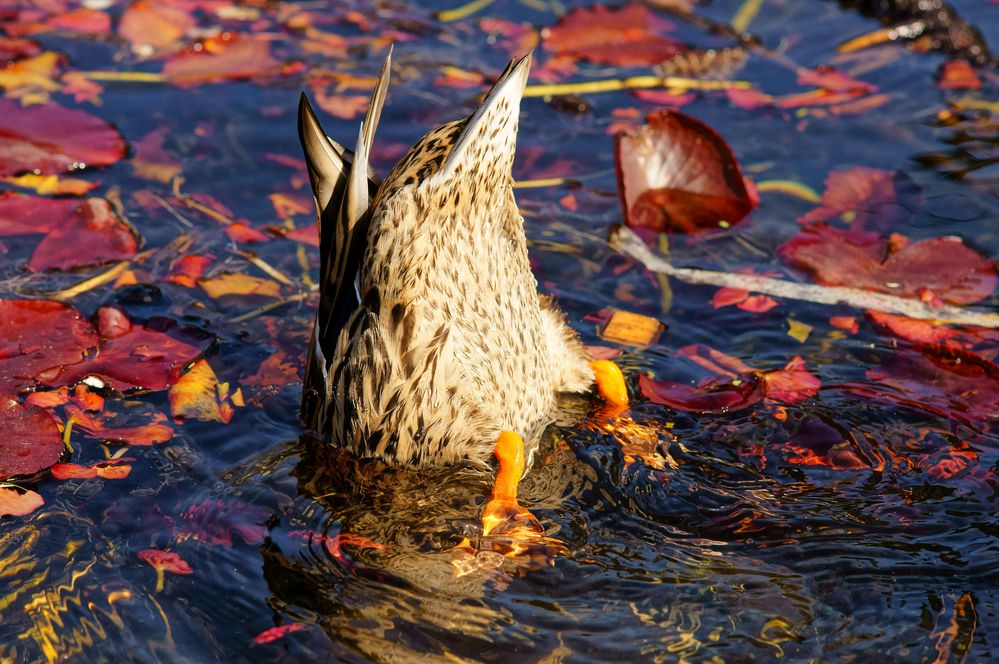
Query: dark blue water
689, 537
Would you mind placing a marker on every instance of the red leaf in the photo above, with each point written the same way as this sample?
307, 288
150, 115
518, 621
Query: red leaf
153, 432
242, 233
77, 233
725, 297
757, 304
911, 329
225, 58
833, 80
72, 471
30, 439
15, 503
49, 399
749, 99
165, 560
113, 322
876, 199
833, 257
720, 395
627, 36
676, 173
38, 339
27, 142
144, 358
83, 20
958, 75
845, 323
275, 633
186, 270
792, 384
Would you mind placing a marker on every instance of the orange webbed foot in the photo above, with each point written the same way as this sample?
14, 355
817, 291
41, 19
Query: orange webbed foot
503, 509
612, 387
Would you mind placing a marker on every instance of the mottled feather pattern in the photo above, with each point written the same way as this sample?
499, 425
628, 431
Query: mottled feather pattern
450, 343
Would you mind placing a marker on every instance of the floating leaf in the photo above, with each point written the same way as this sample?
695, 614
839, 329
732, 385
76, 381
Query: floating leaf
626, 36
720, 395
27, 142
238, 283
845, 323
31, 440
958, 75
18, 503
792, 384
113, 469
38, 339
676, 173
224, 58
147, 357
194, 396
945, 266
153, 432
833, 80
150, 26
275, 633
164, 561
797, 330
33, 79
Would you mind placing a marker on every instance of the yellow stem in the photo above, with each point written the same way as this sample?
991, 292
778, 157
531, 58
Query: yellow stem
159, 579
543, 182
789, 187
125, 76
88, 284
747, 12
459, 13
633, 82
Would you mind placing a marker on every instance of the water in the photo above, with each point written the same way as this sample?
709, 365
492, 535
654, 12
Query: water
857, 522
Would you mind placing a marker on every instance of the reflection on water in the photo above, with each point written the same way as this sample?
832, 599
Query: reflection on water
861, 520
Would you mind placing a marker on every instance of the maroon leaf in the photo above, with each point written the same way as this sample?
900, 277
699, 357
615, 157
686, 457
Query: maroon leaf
720, 395
676, 173
833, 80
29, 439
38, 339
943, 380
147, 357
78, 233
28, 143
943, 266
792, 384
628, 36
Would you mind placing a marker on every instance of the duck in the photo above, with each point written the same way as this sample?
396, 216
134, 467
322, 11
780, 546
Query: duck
431, 344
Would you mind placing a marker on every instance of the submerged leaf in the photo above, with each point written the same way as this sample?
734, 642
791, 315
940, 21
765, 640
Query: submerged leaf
194, 396
227, 58
626, 36
275, 633
676, 173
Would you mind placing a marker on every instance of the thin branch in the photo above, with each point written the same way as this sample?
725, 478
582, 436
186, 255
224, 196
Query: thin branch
625, 241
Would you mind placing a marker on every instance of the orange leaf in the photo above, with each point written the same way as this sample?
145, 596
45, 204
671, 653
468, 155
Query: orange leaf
195, 395
239, 284
15, 503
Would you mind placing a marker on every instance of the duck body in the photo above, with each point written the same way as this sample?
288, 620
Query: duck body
431, 337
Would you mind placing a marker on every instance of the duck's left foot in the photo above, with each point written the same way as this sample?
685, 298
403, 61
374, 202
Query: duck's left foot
502, 511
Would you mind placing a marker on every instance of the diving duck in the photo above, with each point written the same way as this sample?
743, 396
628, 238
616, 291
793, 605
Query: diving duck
431, 344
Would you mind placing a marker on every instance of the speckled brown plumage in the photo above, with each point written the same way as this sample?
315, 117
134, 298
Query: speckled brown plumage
442, 340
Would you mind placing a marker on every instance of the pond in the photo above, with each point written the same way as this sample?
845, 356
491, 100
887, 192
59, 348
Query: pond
793, 480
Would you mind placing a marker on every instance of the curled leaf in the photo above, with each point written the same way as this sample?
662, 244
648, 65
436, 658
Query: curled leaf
676, 173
